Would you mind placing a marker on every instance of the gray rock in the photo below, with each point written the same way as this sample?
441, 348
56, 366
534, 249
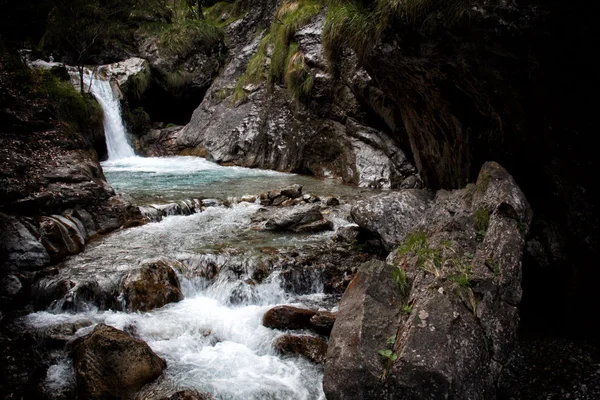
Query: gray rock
392, 215
368, 314
20, 249
461, 273
293, 218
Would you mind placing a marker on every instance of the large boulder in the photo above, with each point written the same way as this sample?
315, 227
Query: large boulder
110, 364
392, 215
368, 314
453, 323
153, 285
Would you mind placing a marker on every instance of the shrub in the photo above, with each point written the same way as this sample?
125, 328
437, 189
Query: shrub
298, 78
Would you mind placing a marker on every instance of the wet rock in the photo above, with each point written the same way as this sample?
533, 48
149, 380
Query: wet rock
20, 249
288, 317
153, 285
322, 322
279, 200
110, 364
59, 335
312, 348
248, 198
330, 201
347, 234
313, 227
293, 191
61, 237
189, 395
392, 215
291, 219
367, 316
211, 203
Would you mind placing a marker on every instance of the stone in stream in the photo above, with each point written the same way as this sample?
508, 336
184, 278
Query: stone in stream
153, 285
312, 348
110, 364
288, 317
189, 395
322, 322
295, 218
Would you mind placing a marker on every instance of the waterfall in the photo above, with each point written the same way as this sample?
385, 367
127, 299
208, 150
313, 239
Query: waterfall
116, 139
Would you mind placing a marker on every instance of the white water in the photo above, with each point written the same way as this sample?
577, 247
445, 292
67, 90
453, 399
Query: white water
116, 138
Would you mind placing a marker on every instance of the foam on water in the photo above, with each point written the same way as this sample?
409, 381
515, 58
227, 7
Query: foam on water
209, 346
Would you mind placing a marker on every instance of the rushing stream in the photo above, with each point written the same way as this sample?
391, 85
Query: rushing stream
213, 340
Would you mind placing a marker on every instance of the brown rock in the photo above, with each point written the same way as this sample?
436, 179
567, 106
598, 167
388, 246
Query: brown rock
152, 286
110, 364
322, 322
288, 317
312, 348
189, 395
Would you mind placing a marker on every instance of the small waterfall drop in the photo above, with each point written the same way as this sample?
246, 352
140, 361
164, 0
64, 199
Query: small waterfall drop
116, 139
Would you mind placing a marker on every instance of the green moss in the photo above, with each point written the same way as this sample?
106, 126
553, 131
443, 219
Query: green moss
481, 219
138, 84
181, 38
178, 80
234, 10
76, 113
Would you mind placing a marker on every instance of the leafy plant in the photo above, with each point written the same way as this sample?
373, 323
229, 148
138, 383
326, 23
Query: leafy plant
406, 309
400, 279
428, 258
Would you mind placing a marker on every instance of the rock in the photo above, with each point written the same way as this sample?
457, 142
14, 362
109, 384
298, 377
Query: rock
211, 203
293, 191
317, 226
330, 201
367, 317
459, 272
312, 348
392, 215
189, 395
290, 219
248, 199
288, 317
109, 363
322, 322
153, 285
19, 248
279, 200
347, 234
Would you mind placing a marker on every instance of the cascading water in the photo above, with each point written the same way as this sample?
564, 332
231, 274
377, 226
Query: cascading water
116, 138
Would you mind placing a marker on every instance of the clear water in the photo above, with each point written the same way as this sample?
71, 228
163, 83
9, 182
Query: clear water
167, 179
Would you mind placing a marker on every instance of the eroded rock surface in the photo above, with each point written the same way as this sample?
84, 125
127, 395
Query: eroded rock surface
111, 364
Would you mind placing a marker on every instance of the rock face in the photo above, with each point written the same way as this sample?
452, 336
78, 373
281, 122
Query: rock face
153, 285
327, 137
392, 215
302, 218
444, 305
111, 364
